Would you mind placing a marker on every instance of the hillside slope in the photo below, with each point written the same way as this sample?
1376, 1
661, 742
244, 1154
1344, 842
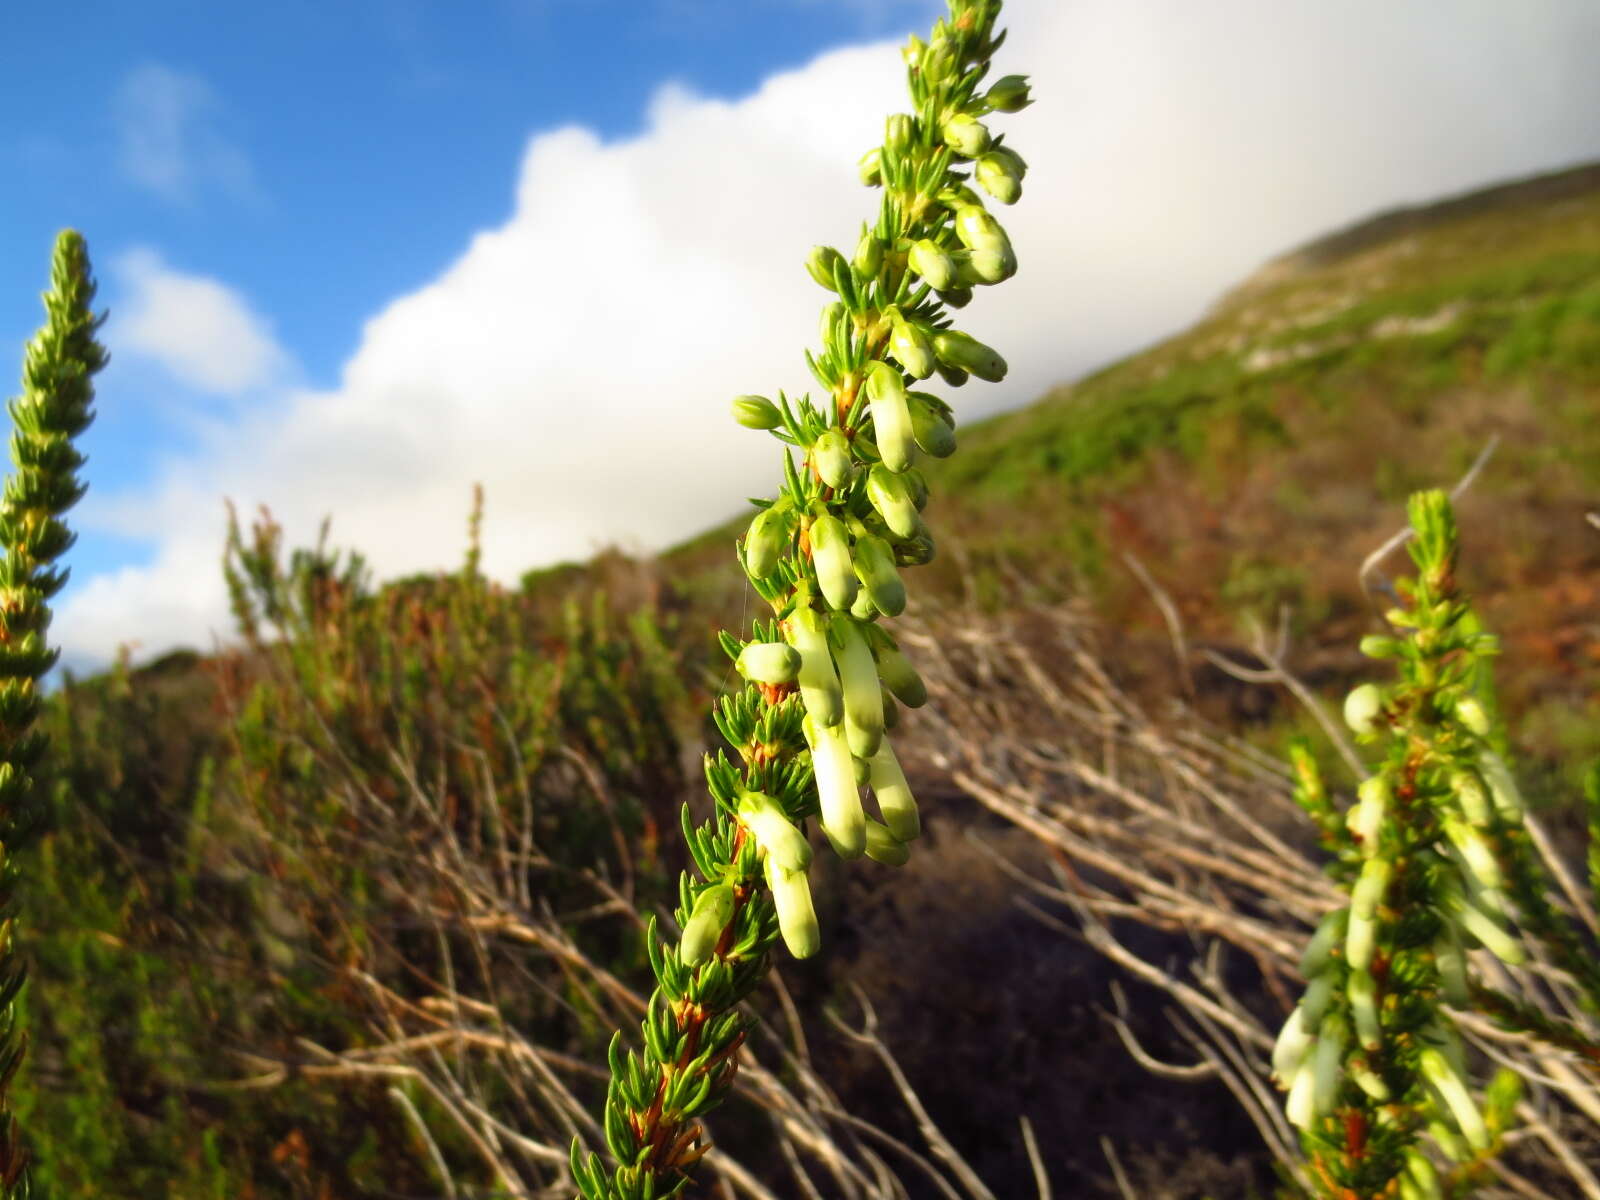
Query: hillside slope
1255, 459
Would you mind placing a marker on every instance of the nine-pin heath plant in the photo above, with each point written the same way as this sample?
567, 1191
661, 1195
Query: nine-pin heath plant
1435, 859
54, 408
824, 676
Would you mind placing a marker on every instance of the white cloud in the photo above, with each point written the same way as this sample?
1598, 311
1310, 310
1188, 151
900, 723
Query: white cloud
169, 140
199, 330
578, 359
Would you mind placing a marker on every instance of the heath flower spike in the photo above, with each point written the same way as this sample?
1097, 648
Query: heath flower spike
827, 554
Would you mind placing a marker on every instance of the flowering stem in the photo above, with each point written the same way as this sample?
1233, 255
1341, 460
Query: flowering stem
55, 406
824, 678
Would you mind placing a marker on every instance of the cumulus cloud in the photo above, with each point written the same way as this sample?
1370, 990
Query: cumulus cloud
579, 358
169, 139
199, 330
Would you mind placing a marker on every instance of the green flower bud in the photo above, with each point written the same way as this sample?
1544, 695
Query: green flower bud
933, 263
916, 550
891, 417
863, 697
1368, 1080
1451, 960
1361, 940
891, 712
1361, 989
901, 678
838, 795
863, 609
1326, 1061
1453, 1090
911, 53
1420, 1169
1008, 94
956, 349
899, 132
997, 174
830, 454
863, 772
756, 412
821, 262
929, 429
713, 909
868, 256
954, 376
1330, 933
896, 804
1470, 712
874, 563
883, 847
830, 556
1300, 1107
771, 663
909, 346
774, 833
1315, 1002
870, 168
797, 916
819, 682
941, 60
990, 257
1365, 819
1376, 645
889, 496
766, 540
1471, 919
1475, 852
956, 297
965, 134
1502, 788
828, 322
917, 486
1471, 796
1362, 708
1290, 1050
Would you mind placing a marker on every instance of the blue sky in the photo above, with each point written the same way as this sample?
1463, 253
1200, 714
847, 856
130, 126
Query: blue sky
362, 254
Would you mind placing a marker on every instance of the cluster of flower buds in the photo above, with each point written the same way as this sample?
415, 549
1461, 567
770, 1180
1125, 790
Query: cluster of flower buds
824, 679
828, 551
1370, 1050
